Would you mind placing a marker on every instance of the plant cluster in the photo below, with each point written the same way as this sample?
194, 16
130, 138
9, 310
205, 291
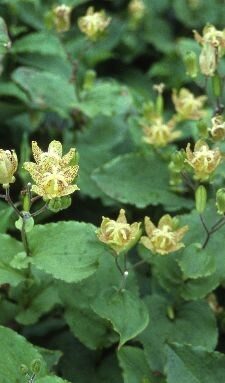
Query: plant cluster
112, 262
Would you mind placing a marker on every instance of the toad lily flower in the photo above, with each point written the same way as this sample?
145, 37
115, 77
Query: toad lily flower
203, 160
119, 235
8, 166
187, 105
165, 238
159, 134
52, 172
218, 127
93, 24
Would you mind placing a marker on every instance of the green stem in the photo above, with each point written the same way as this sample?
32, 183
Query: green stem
11, 203
24, 239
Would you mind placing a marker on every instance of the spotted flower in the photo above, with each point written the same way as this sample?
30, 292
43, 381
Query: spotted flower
93, 24
218, 127
8, 166
203, 160
62, 17
52, 173
165, 238
159, 134
118, 234
187, 105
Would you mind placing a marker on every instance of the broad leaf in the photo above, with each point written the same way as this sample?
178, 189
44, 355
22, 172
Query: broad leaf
9, 248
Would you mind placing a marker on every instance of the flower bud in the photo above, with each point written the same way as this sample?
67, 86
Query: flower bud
24, 369
202, 127
89, 79
93, 24
191, 65
220, 201
200, 198
8, 166
218, 127
62, 17
178, 158
207, 60
36, 366
217, 85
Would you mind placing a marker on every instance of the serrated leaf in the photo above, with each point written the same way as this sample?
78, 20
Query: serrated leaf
196, 262
192, 320
67, 250
140, 180
17, 351
124, 310
9, 248
188, 364
47, 91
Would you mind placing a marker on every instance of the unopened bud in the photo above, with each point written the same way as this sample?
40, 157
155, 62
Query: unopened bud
220, 201
36, 366
217, 86
200, 199
178, 160
202, 127
89, 79
191, 64
24, 369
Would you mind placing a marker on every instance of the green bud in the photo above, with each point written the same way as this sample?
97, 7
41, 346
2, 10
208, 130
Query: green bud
89, 79
24, 369
59, 203
170, 312
178, 158
36, 366
159, 104
220, 201
202, 127
200, 198
27, 221
217, 86
191, 64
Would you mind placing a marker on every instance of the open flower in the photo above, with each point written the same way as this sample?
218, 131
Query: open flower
52, 172
187, 105
165, 238
119, 235
8, 166
159, 134
203, 160
93, 24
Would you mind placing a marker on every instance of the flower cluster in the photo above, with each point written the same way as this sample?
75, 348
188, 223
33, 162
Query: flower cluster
93, 24
165, 238
53, 173
119, 235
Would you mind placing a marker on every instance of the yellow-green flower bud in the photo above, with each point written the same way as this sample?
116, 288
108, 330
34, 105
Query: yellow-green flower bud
200, 198
202, 127
89, 79
178, 158
8, 166
62, 17
217, 85
191, 65
220, 201
36, 366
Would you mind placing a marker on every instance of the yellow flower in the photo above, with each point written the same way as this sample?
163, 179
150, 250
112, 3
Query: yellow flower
52, 172
213, 43
187, 106
119, 235
8, 166
136, 9
93, 24
62, 17
203, 160
218, 127
165, 238
159, 134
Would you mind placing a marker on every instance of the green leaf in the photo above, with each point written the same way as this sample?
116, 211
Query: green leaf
188, 364
51, 379
196, 263
44, 43
47, 91
98, 100
124, 310
17, 351
140, 180
5, 42
9, 248
192, 321
197, 15
6, 213
67, 250
135, 367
